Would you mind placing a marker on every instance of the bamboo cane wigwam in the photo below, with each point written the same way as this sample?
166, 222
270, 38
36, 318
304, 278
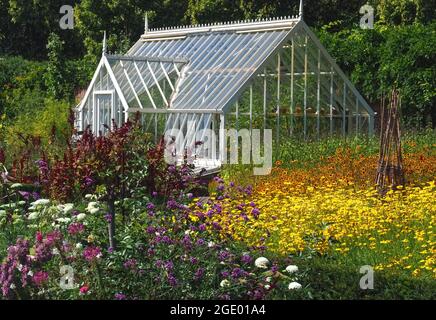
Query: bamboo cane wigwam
390, 173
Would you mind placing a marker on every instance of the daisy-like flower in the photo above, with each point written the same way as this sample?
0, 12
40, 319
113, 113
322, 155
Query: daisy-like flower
261, 262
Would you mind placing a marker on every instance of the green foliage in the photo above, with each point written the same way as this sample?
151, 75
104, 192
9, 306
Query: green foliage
21, 86
336, 279
50, 124
385, 57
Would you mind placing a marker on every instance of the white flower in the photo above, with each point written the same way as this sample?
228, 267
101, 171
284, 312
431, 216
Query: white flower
16, 186
41, 202
63, 220
211, 244
80, 216
89, 196
225, 283
94, 210
267, 287
55, 251
66, 208
20, 267
30, 273
33, 216
291, 269
268, 279
261, 262
12, 286
79, 246
92, 205
294, 286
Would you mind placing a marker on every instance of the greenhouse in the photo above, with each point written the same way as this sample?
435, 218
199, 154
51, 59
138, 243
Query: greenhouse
261, 74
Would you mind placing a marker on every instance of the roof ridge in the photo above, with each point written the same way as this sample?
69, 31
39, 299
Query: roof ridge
256, 23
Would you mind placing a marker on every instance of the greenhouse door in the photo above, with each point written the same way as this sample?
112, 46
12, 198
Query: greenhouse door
103, 111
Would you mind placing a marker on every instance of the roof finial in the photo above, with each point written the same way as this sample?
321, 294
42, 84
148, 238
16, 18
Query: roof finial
300, 12
146, 23
104, 44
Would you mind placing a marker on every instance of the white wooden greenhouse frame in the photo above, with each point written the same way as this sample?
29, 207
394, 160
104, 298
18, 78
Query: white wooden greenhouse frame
260, 74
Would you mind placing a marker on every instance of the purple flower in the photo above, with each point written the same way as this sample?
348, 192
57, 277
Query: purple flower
274, 268
255, 212
88, 181
202, 227
25, 195
201, 242
166, 240
246, 258
154, 194
35, 195
108, 217
17, 254
172, 205
151, 230
120, 296
169, 265
130, 264
199, 274
216, 225
186, 241
193, 260
150, 206
238, 273
258, 294
223, 255
172, 280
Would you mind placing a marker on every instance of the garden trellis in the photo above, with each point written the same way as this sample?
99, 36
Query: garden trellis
258, 74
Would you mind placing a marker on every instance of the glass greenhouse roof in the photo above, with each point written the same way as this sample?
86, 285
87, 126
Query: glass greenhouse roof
222, 59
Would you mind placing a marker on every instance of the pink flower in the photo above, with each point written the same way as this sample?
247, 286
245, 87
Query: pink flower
84, 289
91, 253
39, 236
40, 277
75, 228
